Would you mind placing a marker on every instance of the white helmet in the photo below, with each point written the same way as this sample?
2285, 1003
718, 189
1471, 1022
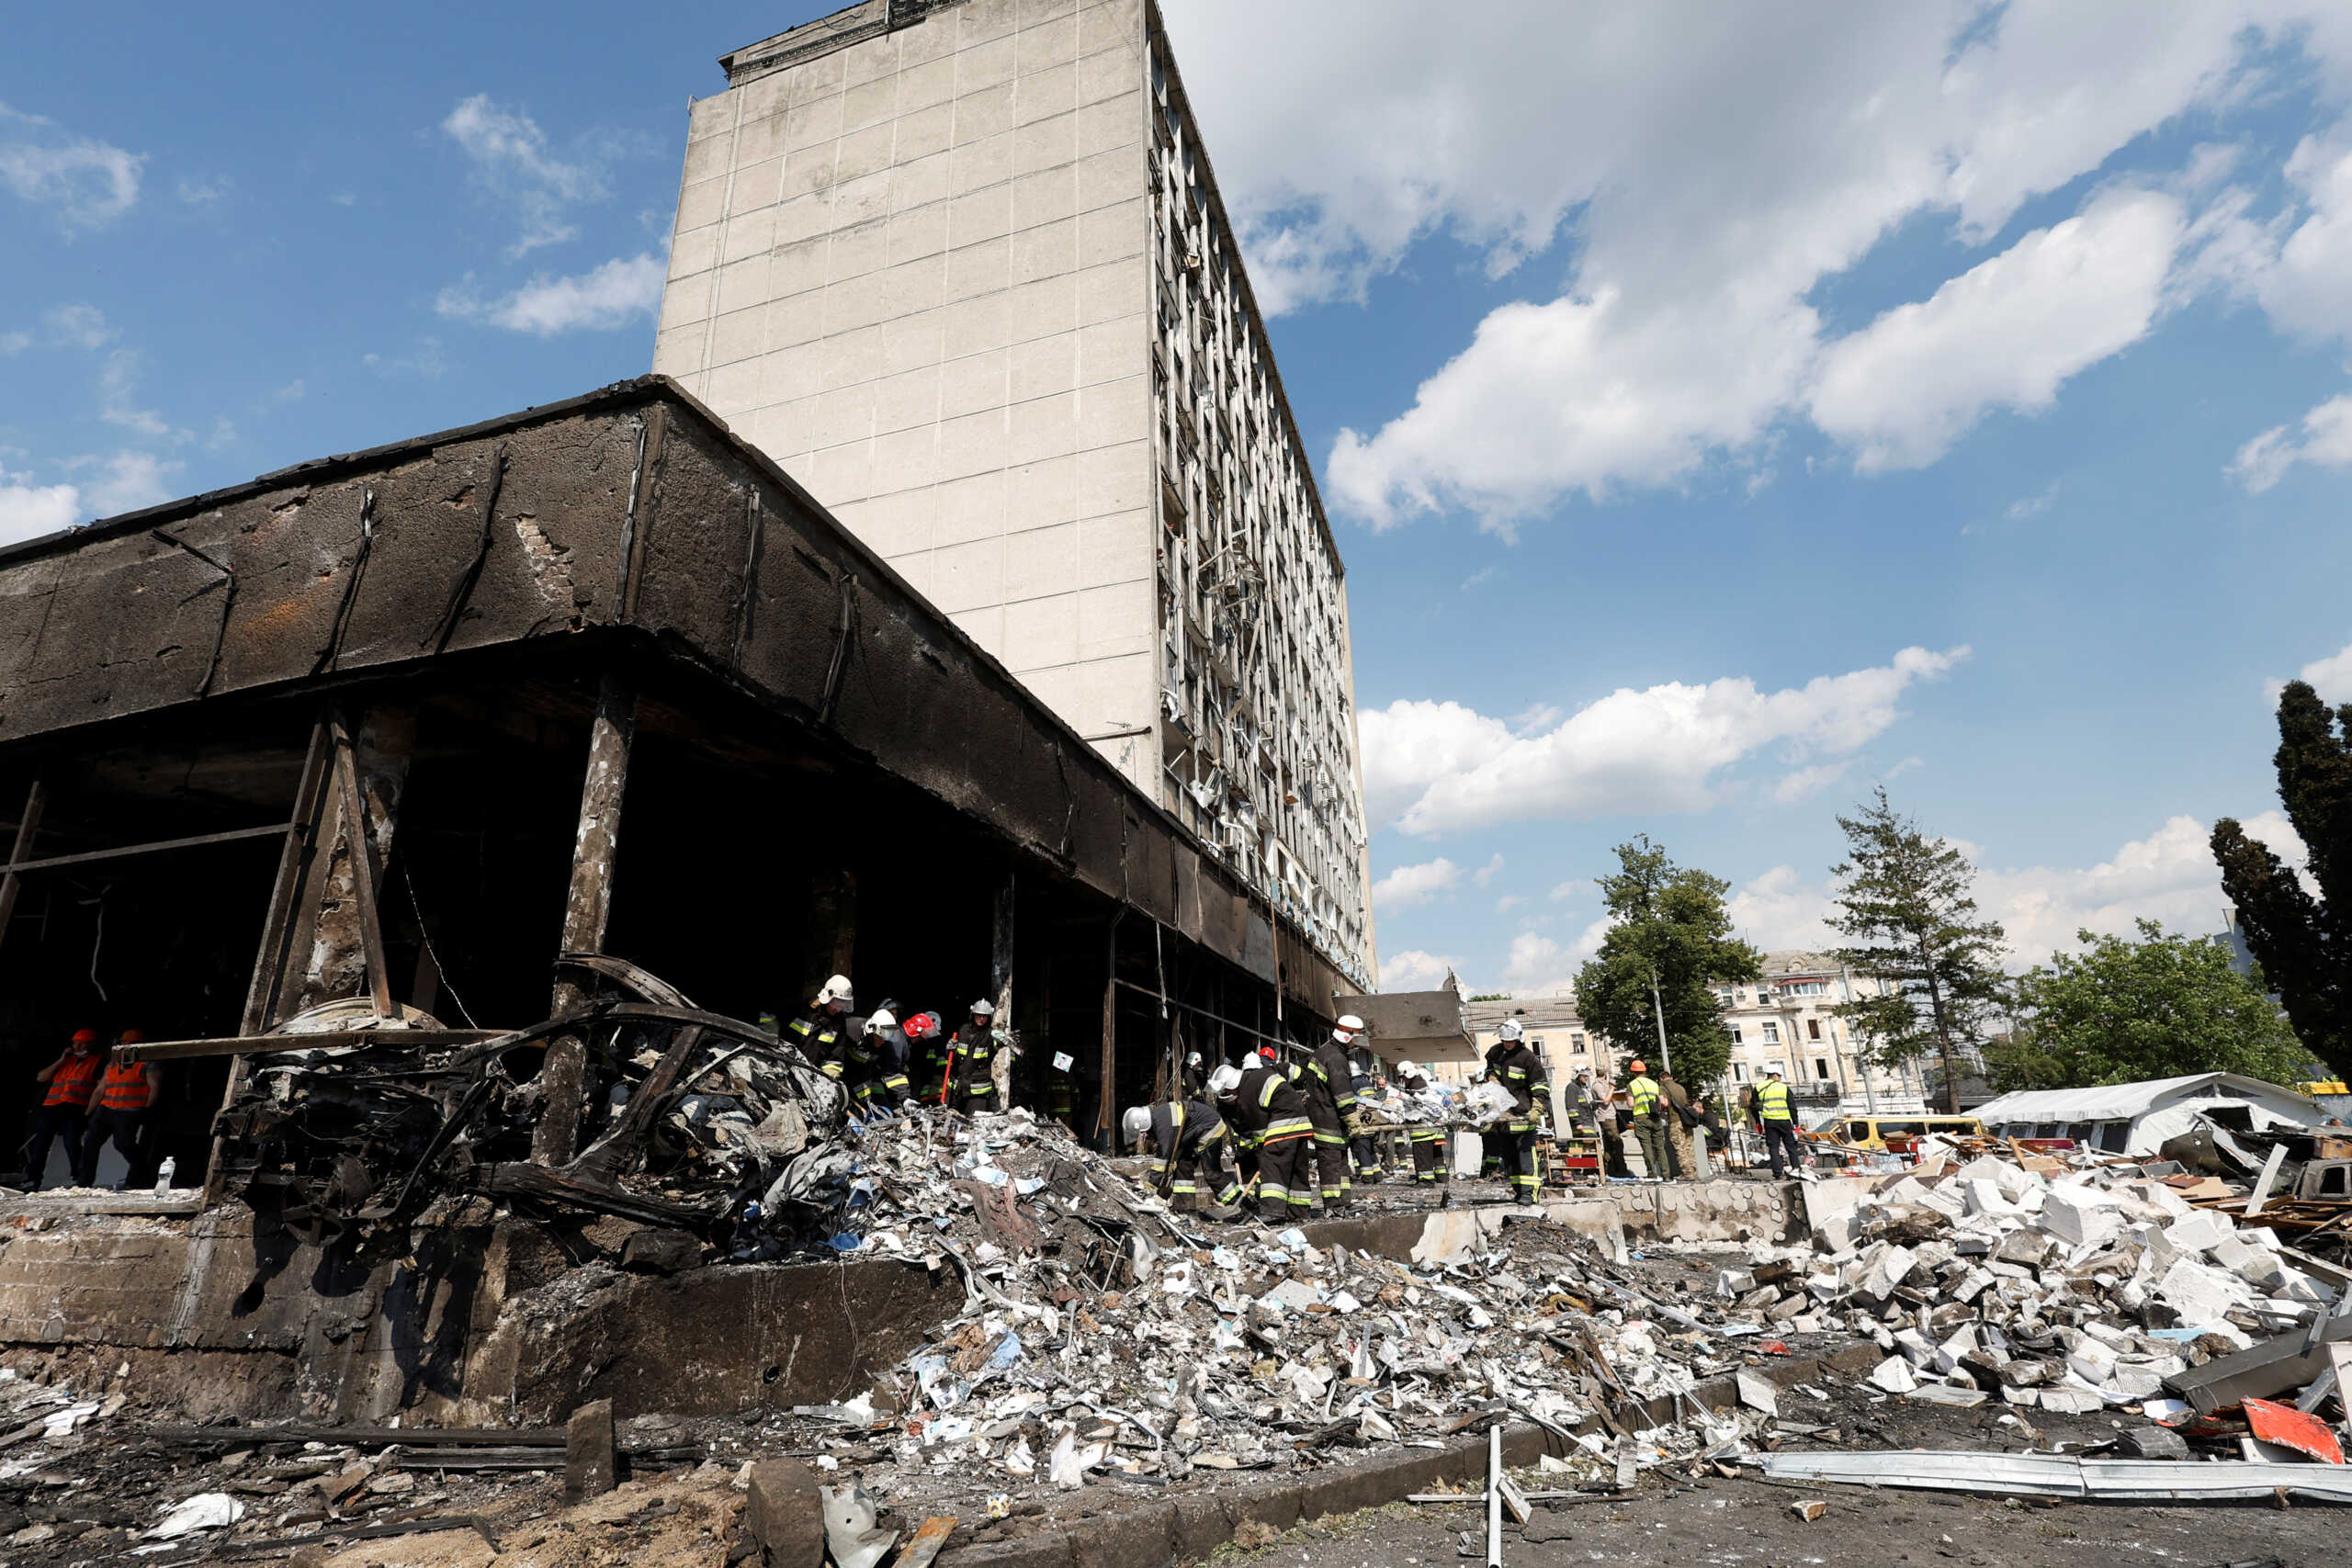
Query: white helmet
1138, 1122
1348, 1028
1510, 1030
1193, 1060
836, 991
884, 1019
984, 1008
1224, 1080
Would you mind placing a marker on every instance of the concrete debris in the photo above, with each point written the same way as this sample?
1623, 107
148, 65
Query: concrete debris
2066, 1476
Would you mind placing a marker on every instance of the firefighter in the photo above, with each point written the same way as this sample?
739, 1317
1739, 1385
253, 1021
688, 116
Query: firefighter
1190, 1139
1428, 1138
1196, 1075
1269, 1118
881, 1062
1326, 1085
65, 1111
1644, 1095
818, 1029
1364, 1134
120, 1112
972, 1061
1520, 1071
929, 1048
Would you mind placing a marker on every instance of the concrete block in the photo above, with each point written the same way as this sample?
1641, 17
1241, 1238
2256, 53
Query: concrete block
2201, 1294
1138, 1537
589, 1465
1202, 1523
2081, 1216
783, 1516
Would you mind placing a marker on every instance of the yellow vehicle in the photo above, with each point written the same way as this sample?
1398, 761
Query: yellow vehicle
2322, 1086
1872, 1132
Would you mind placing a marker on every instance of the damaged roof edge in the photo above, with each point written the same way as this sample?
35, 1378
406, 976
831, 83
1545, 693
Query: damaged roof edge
637, 392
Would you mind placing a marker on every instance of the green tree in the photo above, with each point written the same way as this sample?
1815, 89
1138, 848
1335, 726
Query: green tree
1671, 943
1902, 901
2303, 944
2162, 1006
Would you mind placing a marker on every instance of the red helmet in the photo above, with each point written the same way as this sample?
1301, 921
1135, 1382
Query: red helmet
132, 1037
922, 1026
85, 1037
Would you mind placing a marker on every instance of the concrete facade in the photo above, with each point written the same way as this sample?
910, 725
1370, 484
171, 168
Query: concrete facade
1784, 1019
961, 268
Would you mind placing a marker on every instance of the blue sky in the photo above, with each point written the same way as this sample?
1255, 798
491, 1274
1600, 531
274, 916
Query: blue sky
1670, 373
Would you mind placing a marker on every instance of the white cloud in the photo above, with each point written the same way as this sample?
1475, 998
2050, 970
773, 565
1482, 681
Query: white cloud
2306, 287
2029, 506
513, 161
2324, 440
1507, 902
2331, 677
29, 511
124, 482
15, 342
2006, 333
1488, 872
1807, 782
78, 326
89, 182
1414, 970
117, 381
2168, 877
620, 291
1410, 885
1563, 891
1683, 330
1438, 767
1538, 966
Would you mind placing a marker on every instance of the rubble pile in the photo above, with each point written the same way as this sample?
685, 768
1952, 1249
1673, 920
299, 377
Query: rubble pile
2072, 1289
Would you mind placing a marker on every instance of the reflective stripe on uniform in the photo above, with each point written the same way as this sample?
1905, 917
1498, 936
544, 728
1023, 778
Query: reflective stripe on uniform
1288, 1128
1645, 1093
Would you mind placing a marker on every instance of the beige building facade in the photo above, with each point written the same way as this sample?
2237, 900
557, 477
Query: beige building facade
1784, 1021
961, 268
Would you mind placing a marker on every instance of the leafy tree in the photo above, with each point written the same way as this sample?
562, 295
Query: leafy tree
1903, 899
1491, 997
2162, 1007
2303, 944
1670, 944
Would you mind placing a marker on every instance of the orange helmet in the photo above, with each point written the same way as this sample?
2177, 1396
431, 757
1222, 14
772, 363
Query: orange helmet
1638, 1066
85, 1037
132, 1037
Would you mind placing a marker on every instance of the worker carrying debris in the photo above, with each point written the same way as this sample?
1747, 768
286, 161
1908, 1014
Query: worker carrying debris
1521, 1073
972, 1061
1428, 1138
819, 1031
1776, 1120
1327, 1085
1649, 1120
120, 1112
1269, 1118
1365, 1132
1190, 1139
72, 1079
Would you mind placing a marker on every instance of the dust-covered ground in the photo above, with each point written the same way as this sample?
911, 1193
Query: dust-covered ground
1750, 1523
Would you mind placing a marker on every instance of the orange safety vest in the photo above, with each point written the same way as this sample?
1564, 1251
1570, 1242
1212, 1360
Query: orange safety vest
74, 1080
125, 1087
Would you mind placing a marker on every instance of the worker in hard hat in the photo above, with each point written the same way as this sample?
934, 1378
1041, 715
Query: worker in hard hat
1647, 1099
1269, 1117
1196, 1075
1190, 1139
879, 1062
1326, 1085
819, 1031
64, 1111
1776, 1118
1365, 1133
118, 1111
972, 1061
928, 1045
1427, 1135
1512, 1064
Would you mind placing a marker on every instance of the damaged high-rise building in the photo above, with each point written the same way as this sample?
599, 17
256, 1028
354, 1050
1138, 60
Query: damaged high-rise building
961, 267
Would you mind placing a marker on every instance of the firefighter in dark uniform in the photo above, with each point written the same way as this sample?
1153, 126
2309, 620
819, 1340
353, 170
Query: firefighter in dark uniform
1329, 1087
1519, 1070
1429, 1165
1269, 1119
882, 1066
928, 1068
1365, 1136
972, 1061
818, 1029
1190, 1139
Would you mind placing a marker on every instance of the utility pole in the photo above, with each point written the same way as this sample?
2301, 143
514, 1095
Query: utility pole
1861, 1057
1657, 1004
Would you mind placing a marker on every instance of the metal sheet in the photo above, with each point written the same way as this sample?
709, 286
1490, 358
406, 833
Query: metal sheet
2062, 1475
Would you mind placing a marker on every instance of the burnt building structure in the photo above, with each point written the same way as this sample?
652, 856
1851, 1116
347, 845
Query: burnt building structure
594, 677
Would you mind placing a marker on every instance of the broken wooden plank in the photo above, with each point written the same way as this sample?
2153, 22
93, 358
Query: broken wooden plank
926, 1543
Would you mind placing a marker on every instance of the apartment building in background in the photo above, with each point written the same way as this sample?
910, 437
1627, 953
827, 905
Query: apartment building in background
960, 267
1783, 1022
